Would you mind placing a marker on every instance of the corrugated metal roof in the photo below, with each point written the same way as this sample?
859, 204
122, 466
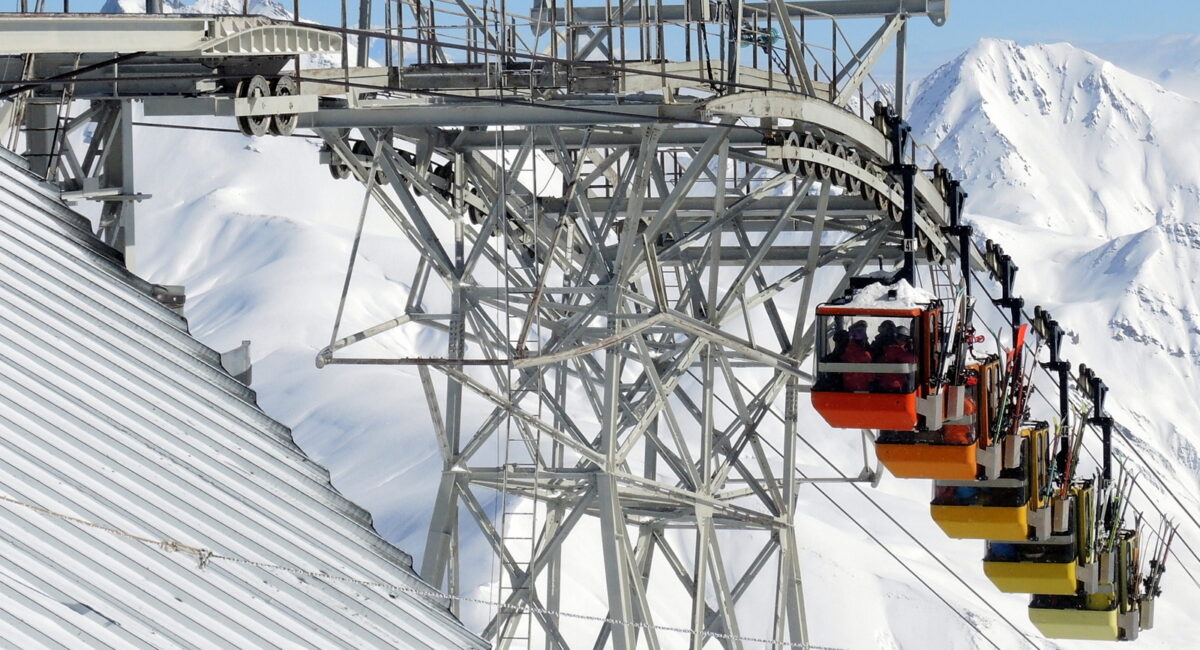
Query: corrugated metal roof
110, 412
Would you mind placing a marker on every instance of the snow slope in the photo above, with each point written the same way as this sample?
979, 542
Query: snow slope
1077, 166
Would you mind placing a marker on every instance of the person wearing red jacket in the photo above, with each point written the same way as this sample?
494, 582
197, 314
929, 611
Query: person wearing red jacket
899, 352
857, 351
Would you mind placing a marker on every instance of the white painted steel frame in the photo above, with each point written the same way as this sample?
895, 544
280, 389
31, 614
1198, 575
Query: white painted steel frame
624, 383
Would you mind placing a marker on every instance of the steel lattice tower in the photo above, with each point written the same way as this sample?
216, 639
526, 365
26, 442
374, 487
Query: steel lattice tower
624, 217
628, 249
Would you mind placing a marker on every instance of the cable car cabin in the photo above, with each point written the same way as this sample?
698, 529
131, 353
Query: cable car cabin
1107, 608
928, 454
1074, 617
1009, 507
1049, 566
874, 354
950, 452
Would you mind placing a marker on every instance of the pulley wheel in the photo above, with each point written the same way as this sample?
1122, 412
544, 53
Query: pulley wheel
254, 125
853, 183
285, 124
839, 176
808, 167
363, 152
339, 171
791, 164
824, 172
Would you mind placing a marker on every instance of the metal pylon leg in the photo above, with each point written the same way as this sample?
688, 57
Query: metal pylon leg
629, 349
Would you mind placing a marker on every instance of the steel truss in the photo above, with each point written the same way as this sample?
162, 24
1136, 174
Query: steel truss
642, 359
621, 241
625, 288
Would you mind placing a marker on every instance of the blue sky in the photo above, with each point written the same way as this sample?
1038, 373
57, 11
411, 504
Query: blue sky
1082, 22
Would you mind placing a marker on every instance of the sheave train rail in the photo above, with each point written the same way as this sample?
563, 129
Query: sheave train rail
625, 216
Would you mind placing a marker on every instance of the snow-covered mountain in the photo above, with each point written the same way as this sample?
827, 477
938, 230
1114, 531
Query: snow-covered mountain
1084, 171
1062, 139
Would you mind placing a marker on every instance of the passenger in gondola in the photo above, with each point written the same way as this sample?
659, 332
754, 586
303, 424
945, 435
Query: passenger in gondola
832, 381
900, 351
1004, 551
958, 430
885, 335
958, 495
841, 338
856, 351
966, 495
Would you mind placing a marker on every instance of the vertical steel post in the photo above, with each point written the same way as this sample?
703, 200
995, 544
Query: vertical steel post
901, 65
908, 223
345, 43
1106, 425
117, 224
364, 24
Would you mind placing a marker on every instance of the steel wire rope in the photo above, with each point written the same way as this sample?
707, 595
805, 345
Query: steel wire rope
920, 543
1178, 558
1145, 494
910, 535
1124, 436
1149, 499
975, 273
214, 129
205, 557
29, 84
911, 571
1162, 514
861, 492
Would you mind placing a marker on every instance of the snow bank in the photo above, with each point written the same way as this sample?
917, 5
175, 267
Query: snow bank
880, 296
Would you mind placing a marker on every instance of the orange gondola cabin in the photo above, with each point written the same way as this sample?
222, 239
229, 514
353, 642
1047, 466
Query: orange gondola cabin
875, 351
954, 450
